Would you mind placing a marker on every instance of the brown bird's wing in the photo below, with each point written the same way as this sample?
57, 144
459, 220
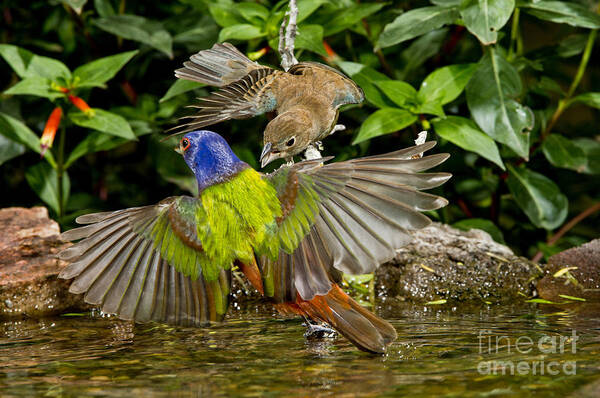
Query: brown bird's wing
250, 96
351, 216
331, 82
141, 264
218, 66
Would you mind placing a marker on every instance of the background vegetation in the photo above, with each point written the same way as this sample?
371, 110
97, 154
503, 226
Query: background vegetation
510, 89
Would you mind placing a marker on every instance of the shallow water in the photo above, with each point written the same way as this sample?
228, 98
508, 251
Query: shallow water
440, 352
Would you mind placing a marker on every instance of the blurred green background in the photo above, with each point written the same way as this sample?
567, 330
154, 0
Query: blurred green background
510, 89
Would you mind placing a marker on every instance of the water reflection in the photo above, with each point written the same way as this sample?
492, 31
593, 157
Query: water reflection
439, 352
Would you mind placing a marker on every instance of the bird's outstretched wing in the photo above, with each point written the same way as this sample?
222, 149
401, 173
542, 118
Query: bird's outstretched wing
349, 216
218, 66
250, 96
142, 264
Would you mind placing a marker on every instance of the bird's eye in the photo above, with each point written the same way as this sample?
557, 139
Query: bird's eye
291, 141
185, 144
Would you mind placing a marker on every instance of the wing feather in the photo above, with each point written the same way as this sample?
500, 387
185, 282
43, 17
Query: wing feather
143, 264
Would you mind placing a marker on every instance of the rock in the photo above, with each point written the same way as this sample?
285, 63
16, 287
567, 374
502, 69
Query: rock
446, 263
28, 266
582, 281
590, 390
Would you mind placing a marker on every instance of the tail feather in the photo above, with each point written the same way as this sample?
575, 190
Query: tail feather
219, 66
363, 328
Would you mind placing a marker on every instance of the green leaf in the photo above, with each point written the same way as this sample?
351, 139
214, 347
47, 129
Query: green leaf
445, 84
43, 180
349, 16
540, 301
384, 121
98, 72
482, 224
430, 108
591, 149
421, 50
484, 18
104, 8
240, 32
538, 197
465, 134
562, 152
105, 122
589, 99
414, 23
400, 92
571, 297
571, 45
366, 77
489, 97
35, 85
97, 141
76, 5
18, 132
9, 149
179, 87
26, 64
252, 11
562, 12
310, 38
307, 7
436, 302
225, 14
134, 27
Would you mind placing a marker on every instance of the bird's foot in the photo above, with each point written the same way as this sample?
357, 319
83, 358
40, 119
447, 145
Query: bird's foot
313, 151
337, 127
289, 162
318, 330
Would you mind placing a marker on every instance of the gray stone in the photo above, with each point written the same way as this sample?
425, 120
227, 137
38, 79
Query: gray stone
446, 263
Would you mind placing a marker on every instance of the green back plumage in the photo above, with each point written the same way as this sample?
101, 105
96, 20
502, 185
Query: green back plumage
237, 218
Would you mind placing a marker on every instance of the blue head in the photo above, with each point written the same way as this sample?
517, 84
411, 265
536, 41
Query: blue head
210, 158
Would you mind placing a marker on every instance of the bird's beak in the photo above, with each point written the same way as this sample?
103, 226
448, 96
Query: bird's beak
266, 156
178, 150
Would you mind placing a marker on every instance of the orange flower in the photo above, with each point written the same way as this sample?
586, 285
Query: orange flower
81, 105
331, 55
50, 130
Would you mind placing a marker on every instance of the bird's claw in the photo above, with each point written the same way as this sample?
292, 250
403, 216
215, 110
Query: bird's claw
337, 127
318, 331
313, 151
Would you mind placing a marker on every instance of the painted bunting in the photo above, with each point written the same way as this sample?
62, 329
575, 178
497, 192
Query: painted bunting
292, 233
307, 98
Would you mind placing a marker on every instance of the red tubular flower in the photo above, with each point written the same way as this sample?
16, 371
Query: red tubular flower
81, 104
331, 55
50, 130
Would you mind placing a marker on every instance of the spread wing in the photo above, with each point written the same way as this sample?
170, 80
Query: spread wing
142, 264
349, 216
250, 96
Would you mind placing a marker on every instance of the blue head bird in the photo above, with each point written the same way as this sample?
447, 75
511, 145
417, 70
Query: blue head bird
210, 158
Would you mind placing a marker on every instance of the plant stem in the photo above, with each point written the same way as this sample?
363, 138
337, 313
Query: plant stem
566, 227
565, 102
514, 35
60, 169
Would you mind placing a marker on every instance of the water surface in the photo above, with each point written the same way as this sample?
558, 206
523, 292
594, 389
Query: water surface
446, 352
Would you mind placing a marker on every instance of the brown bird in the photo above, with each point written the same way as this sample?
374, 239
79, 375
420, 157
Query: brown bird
307, 98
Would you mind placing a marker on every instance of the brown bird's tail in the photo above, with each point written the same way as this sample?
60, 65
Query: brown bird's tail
364, 329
